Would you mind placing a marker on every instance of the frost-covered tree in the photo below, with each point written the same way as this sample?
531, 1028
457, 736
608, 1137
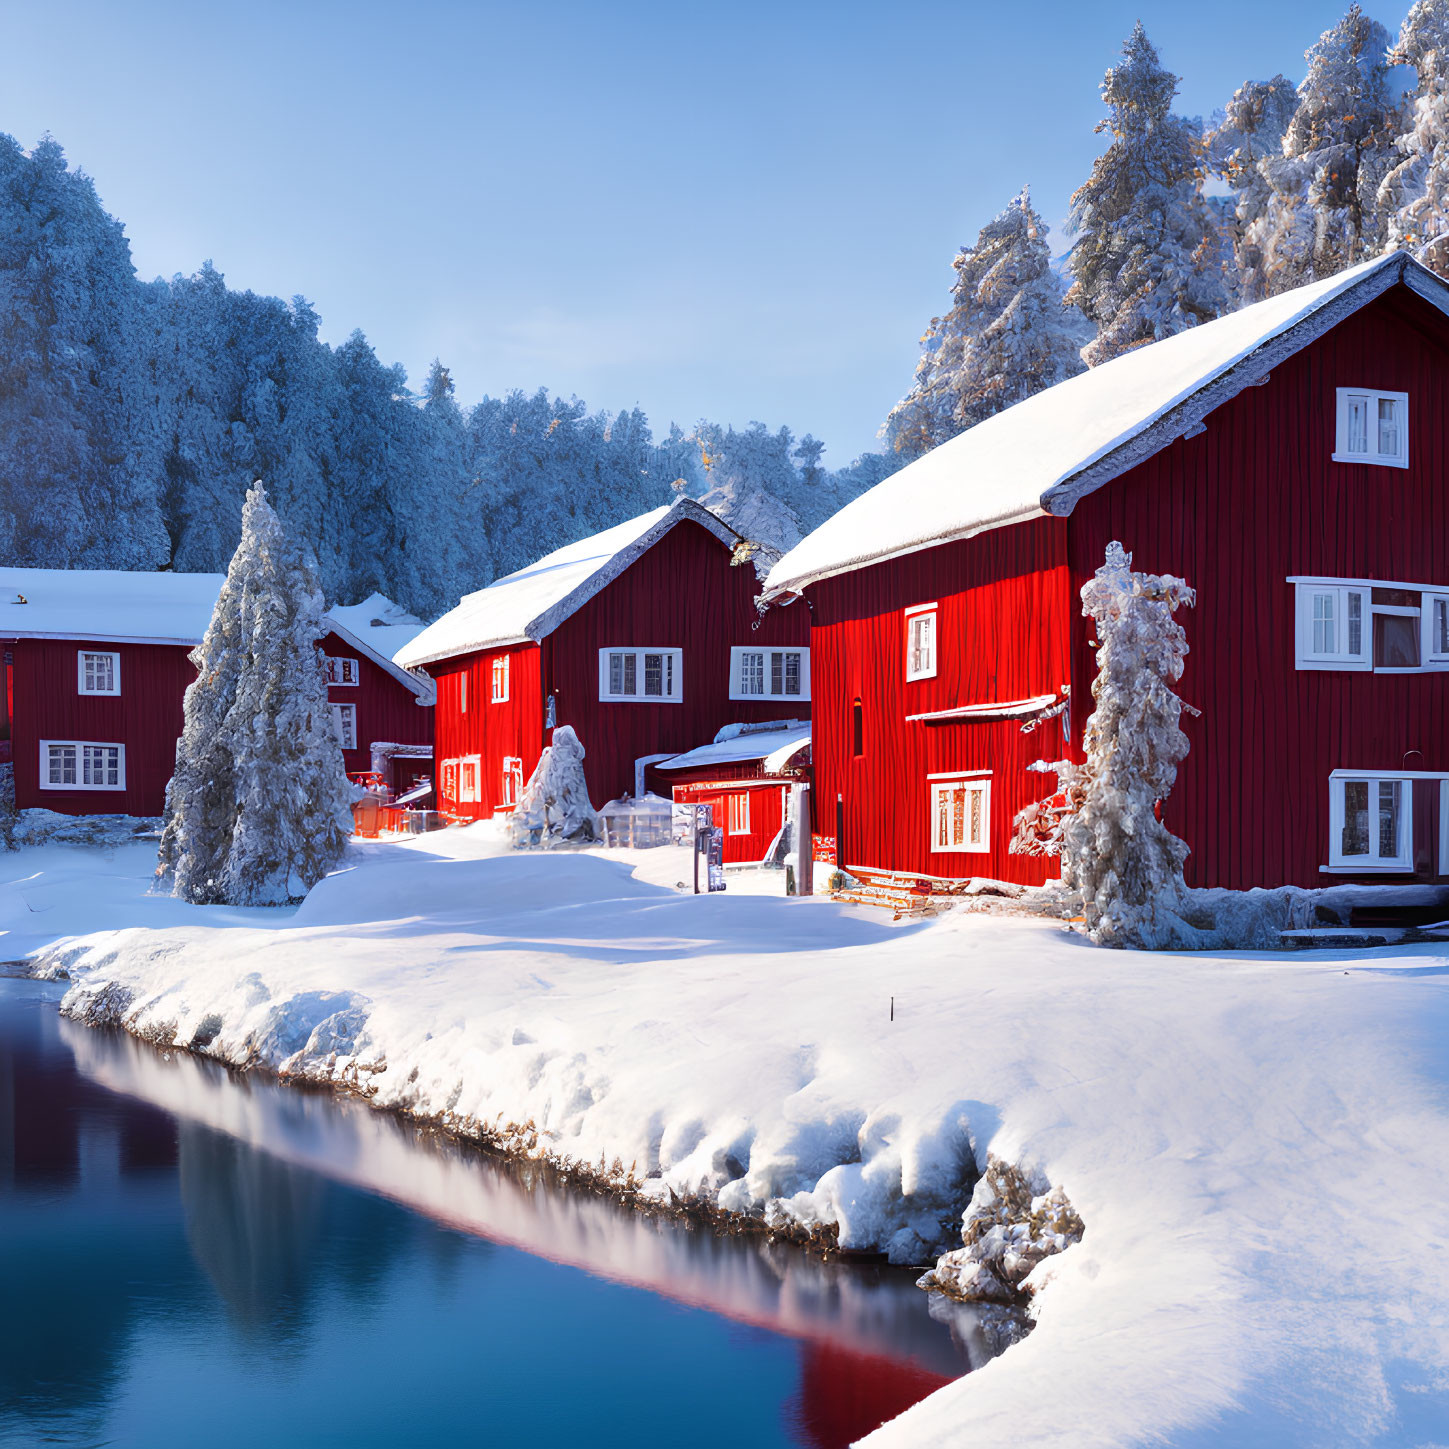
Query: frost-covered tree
1413, 198
1249, 132
554, 808
257, 811
1145, 262
1007, 335
1125, 863
1321, 214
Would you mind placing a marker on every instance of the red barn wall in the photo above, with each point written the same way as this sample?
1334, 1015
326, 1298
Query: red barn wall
145, 717
1003, 633
1236, 511
387, 710
493, 732
683, 593
766, 810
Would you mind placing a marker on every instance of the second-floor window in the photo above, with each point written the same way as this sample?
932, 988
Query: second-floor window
647, 675
1357, 624
500, 679
343, 671
98, 672
769, 673
1373, 427
921, 642
344, 721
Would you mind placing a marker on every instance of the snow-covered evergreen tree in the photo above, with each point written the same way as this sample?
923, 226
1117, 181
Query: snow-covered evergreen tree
1145, 263
257, 811
1321, 215
554, 808
1125, 863
1008, 335
1413, 199
1249, 132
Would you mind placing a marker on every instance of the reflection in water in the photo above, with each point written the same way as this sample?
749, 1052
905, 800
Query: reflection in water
179, 1239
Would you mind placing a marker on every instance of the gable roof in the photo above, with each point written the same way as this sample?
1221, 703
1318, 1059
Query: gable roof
530, 604
787, 736
1043, 454
122, 606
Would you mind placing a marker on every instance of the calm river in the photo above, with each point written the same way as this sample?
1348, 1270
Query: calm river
191, 1256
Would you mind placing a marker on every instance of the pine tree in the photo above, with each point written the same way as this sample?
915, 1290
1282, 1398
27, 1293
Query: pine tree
1115, 851
1413, 198
1007, 336
1250, 132
257, 809
1322, 214
1145, 264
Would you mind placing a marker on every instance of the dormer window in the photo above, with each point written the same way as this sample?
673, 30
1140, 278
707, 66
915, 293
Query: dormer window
921, 642
341, 670
1373, 427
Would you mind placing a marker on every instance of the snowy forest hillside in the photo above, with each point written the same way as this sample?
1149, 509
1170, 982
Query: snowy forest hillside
1180, 222
134, 416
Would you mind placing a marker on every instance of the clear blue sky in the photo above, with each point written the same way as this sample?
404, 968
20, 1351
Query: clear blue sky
735, 211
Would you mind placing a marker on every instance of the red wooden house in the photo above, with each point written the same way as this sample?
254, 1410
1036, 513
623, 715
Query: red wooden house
95, 665
1290, 462
645, 638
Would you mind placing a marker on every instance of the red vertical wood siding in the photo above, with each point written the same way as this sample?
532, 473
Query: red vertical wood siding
1003, 634
387, 710
767, 814
145, 717
684, 593
493, 732
1236, 511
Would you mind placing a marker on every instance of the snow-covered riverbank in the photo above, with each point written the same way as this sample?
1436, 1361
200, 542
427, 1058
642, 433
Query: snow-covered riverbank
1257, 1144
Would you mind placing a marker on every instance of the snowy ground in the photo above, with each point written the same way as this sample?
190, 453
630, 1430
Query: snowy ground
1259, 1146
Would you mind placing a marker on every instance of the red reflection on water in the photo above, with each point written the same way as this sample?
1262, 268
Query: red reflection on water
844, 1395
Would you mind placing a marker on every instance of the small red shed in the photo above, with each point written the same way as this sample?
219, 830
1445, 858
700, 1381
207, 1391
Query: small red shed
645, 638
96, 664
1289, 462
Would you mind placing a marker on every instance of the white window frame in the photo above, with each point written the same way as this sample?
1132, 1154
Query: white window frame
339, 666
738, 810
1306, 591
500, 675
676, 694
82, 655
512, 780
1371, 399
344, 718
80, 747
470, 795
1430, 655
1402, 862
768, 654
922, 612
448, 787
977, 780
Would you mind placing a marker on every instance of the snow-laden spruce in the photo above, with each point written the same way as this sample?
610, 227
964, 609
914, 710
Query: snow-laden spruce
1321, 215
1008, 335
1413, 198
257, 811
1146, 261
554, 808
1123, 860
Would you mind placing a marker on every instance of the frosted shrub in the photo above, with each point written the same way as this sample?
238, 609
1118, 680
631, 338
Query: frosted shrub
257, 811
554, 808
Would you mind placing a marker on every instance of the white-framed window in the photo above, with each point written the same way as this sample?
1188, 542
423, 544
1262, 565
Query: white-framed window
648, 675
342, 670
1370, 821
758, 673
921, 642
739, 808
1373, 427
450, 780
97, 672
500, 679
470, 769
1334, 626
344, 721
82, 765
512, 780
961, 814
1436, 628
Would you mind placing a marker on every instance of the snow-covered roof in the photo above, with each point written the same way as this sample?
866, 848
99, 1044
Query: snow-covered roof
740, 749
119, 606
532, 603
1040, 456
385, 625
